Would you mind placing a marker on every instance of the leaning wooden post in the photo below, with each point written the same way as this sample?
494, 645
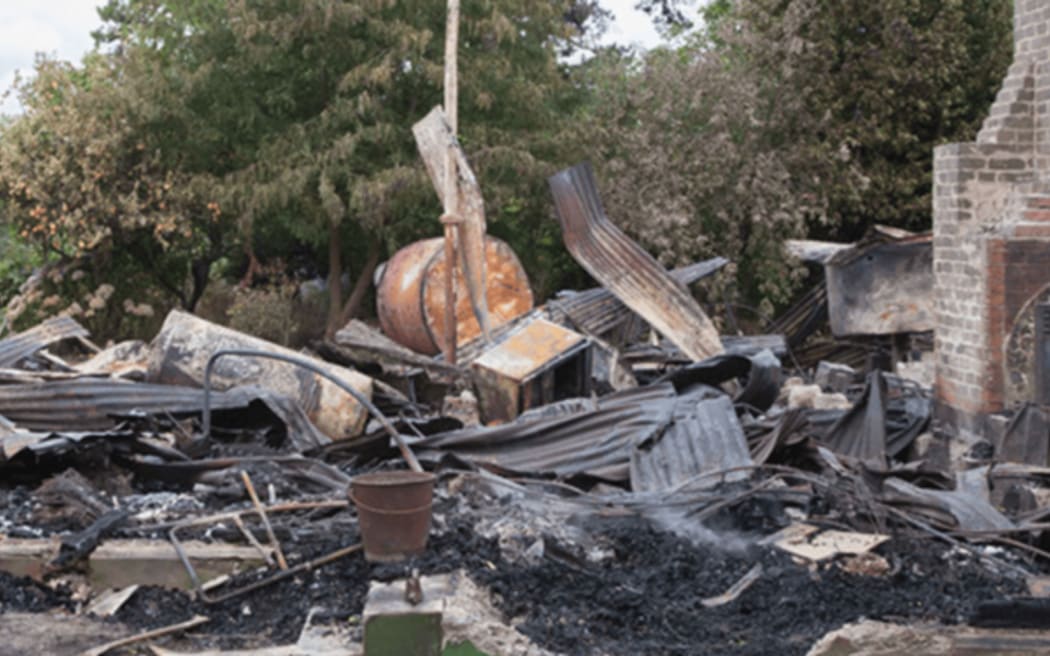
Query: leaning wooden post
451, 217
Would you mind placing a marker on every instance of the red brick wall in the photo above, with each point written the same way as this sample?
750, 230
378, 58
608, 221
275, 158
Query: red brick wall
1017, 270
991, 219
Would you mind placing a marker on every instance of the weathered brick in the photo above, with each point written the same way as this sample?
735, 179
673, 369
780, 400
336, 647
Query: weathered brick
1012, 164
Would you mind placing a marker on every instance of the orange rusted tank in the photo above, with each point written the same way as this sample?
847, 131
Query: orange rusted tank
411, 294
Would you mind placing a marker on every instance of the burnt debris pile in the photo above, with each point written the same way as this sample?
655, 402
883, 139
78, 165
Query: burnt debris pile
605, 473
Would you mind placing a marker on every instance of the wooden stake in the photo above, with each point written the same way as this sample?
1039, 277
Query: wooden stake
452, 79
281, 562
451, 195
148, 635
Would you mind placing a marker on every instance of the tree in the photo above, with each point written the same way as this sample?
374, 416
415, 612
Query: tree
692, 162
895, 78
82, 184
787, 118
297, 113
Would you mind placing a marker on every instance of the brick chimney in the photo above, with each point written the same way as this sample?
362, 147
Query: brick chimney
991, 257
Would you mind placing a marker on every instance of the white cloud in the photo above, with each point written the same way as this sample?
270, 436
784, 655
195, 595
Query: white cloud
61, 28
630, 26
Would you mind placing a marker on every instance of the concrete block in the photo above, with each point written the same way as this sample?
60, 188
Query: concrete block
834, 401
395, 627
803, 396
834, 377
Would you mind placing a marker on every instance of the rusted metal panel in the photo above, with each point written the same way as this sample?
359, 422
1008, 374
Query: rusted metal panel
93, 404
16, 348
597, 311
185, 343
530, 349
538, 363
705, 437
399, 296
809, 250
410, 297
625, 269
882, 288
579, 436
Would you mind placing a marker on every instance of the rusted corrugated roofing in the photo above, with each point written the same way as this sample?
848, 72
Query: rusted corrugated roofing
586, 436
625, 269
90, 404
49, 442
597, 311
16, 348
705, 437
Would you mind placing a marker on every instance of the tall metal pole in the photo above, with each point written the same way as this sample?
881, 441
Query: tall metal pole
451, 216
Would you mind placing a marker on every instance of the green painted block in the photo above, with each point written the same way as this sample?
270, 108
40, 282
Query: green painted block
408, 634
462, 649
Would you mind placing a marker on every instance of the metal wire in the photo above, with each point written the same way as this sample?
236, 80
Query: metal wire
406, 452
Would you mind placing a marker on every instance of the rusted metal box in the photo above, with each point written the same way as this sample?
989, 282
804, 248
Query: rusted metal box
882, 287
538, 363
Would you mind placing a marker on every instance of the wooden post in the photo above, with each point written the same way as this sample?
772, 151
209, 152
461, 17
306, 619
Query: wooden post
451, 196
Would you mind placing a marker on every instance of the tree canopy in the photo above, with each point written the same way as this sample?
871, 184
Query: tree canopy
203, 136
285, 120
786, 118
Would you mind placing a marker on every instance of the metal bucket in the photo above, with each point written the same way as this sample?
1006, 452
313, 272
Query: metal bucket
394, 512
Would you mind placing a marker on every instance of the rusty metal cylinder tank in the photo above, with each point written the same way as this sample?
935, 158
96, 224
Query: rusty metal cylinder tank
411, 294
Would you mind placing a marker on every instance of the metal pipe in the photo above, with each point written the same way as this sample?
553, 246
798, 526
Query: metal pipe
406, 452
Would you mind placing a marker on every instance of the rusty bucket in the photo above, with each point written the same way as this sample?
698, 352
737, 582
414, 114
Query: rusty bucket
394, 511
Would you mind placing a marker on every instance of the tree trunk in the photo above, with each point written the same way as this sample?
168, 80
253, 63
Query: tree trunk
335, 279
253, 265
200, 271
364, 281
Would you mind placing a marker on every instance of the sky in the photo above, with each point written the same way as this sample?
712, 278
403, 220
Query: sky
63, 28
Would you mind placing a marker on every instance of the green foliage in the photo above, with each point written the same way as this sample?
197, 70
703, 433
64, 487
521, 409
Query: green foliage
17, 261
202, 126
267, 311
895, 79
298, 112
786, 118
82, 183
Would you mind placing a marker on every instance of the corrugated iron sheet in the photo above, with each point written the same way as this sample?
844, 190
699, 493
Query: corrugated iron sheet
1024, 439
705, 437
18, 347
804, 318
597, 311
884, 420
581, 436
968, 511
809, 250
625, 269
90, 404
41, 443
